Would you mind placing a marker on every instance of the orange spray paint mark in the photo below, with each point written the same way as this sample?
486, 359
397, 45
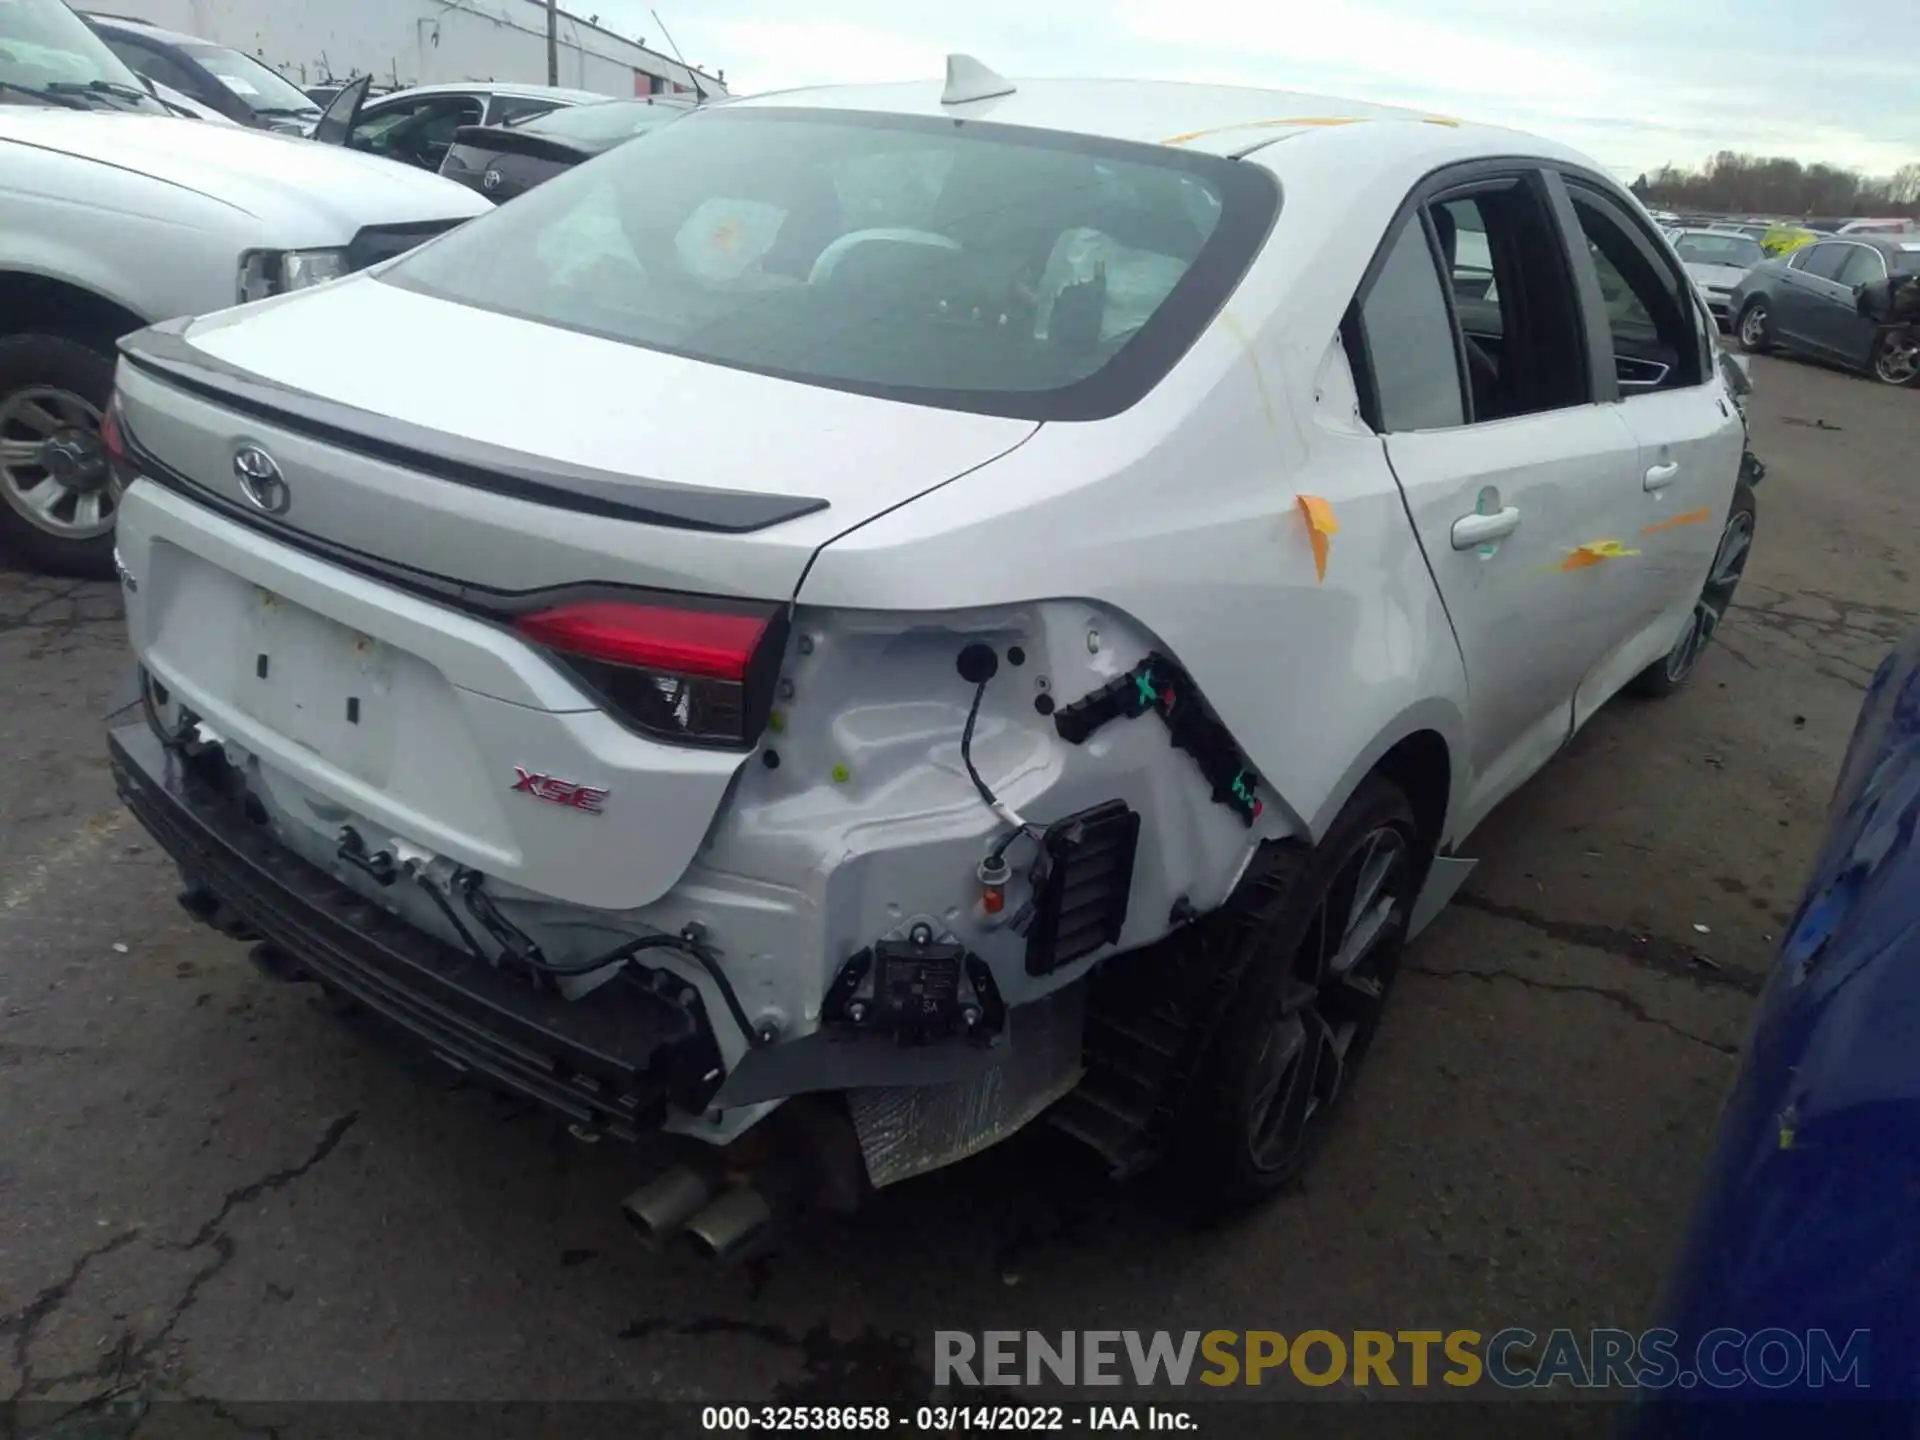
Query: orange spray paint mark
1320, 526
1691, 517
1594, 552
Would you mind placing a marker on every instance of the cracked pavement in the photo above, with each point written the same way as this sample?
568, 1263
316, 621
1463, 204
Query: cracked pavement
213, 1190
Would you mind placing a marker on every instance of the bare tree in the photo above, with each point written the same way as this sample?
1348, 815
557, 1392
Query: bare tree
1734, 183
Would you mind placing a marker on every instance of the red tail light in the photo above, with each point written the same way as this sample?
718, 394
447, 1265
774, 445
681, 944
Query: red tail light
113, 440
681, 672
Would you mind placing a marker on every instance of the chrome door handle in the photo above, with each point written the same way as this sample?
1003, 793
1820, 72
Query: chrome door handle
1472, 531
1661, 476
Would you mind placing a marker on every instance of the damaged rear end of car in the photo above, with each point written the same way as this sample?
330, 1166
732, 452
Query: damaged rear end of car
492, 675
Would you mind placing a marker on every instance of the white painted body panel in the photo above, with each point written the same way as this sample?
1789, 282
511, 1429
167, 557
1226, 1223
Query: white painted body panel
1675, 526
1529, 631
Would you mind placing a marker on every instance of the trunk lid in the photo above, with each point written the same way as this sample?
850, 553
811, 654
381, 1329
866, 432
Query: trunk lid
324, 369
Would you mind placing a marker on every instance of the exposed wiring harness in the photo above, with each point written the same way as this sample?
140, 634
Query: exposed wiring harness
174, 742
517, 945
1006, 812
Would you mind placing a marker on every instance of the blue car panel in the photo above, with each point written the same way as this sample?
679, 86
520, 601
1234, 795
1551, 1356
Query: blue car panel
1809, 1214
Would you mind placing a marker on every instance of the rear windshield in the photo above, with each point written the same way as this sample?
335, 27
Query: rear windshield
952, 263
606, 124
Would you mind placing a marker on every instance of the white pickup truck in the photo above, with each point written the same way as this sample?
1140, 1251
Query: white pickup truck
118, 214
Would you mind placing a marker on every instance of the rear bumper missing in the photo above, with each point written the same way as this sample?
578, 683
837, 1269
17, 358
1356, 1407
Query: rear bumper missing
611, 1062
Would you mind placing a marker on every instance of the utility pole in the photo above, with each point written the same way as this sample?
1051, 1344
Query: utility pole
553, 42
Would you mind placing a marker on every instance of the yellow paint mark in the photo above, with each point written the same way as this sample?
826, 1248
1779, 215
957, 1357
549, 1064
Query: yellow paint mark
1232, 322
1320, 120
841, 774
1692, 517
1594, 552
1320, 526
1441, 120
1786, 1136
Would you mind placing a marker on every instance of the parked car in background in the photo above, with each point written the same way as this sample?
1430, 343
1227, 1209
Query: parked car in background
502, 161
326, 93
117, 214
1895, 225
894, 708
1805, 1224
416, 126
1807, 303
1717, 262
183, 106
245, 90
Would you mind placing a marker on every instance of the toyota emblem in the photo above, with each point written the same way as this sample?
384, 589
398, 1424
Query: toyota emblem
260, 480
492, 180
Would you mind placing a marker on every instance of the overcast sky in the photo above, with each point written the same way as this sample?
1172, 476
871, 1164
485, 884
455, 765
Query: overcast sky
1634, 83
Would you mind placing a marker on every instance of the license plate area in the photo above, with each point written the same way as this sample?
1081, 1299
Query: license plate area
317, 682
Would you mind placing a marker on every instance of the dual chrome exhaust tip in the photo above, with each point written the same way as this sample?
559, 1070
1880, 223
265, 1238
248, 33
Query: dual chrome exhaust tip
715, 1222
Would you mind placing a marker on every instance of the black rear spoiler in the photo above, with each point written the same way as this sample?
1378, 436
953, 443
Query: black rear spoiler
508, 141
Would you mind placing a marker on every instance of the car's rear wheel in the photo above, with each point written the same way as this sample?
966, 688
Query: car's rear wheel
1670, 672
1315, 942
57, 494
1896, 356
1755, 331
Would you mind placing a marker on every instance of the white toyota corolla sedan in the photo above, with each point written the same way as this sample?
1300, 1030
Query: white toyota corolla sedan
919, 607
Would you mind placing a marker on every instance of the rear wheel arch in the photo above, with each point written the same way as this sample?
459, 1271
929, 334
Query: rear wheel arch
1421, 764
1419, 751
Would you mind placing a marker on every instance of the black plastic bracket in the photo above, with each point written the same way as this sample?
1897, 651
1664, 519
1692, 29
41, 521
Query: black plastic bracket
918, 991
1158, 683
1082, 883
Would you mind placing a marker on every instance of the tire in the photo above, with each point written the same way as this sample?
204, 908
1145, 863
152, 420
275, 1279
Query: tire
1896, 358
1671, 671
1754, 328
1254, 1119
55, 389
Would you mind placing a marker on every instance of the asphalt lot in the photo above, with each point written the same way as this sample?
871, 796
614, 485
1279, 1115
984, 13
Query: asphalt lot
211, 1187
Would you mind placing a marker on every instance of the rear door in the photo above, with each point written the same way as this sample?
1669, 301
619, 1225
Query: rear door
1509, 463
1806, 288
1649, 327
1842, 330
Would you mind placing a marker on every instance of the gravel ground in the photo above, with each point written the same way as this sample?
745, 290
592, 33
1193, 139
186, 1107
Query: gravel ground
213, 1190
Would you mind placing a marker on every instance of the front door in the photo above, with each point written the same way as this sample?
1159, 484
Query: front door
1672, 504
1507, 463
336, 121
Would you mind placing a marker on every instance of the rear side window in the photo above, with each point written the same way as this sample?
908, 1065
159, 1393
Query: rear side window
1863, 266
1409, 339
1649, 305
509, 108
1824, 260
965, 265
